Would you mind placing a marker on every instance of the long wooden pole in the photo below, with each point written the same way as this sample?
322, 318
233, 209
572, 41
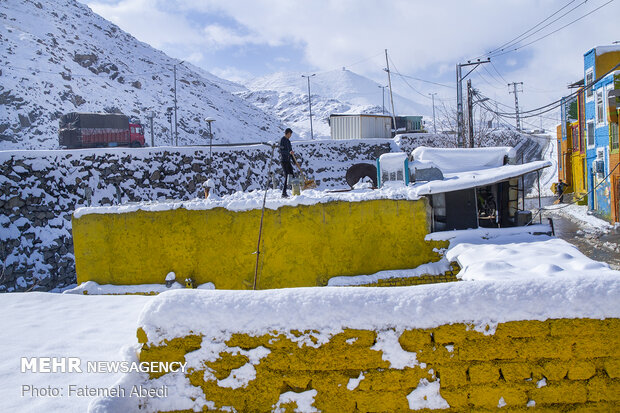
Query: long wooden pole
387, 63
262, 216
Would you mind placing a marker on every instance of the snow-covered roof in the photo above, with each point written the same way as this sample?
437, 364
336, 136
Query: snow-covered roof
481, 177
607, 49
451, 160
369, 115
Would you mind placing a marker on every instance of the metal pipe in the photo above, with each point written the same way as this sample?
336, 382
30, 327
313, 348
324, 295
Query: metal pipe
539, 203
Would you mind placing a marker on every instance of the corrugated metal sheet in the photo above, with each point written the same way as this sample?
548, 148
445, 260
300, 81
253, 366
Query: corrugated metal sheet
360, 126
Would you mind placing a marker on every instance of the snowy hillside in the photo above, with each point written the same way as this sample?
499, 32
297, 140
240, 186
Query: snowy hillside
339, 91
58, 56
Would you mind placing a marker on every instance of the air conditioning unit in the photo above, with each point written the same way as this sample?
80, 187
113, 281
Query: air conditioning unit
599, 166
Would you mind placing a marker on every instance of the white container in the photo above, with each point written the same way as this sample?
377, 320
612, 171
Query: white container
345, 126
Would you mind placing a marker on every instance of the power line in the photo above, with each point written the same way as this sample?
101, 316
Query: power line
520, 37
507, 106
555, 31
557, 103
426, 81
487, 82
497, 71
404, 80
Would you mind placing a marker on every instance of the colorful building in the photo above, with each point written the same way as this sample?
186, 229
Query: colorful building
601, 68
613, 114
571, 146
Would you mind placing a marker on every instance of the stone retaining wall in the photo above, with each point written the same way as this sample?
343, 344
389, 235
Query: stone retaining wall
41, 189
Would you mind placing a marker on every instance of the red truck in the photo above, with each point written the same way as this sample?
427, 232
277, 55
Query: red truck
88, 130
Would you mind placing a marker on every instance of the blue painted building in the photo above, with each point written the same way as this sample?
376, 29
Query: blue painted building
600, 65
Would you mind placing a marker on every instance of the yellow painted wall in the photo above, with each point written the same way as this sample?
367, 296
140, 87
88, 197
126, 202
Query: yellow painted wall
578, 359
301, 246
577, 162
606, 61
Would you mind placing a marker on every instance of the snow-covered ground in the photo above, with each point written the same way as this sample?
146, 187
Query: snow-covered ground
580, 214
518, 276
93, 328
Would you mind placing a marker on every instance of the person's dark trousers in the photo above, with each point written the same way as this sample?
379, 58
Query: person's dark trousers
288, 169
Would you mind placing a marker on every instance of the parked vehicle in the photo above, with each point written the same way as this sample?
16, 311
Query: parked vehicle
88, 130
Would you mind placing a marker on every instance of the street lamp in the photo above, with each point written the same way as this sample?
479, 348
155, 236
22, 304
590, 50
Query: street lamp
310, 103
210, 120
169, 116
434, 125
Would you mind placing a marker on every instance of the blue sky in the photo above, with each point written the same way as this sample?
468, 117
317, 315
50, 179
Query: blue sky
241, 39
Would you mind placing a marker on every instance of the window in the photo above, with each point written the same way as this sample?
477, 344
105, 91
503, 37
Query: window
613, 136
589, 80
600, 109
590, 133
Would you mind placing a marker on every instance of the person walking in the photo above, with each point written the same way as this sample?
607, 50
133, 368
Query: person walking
561, 187
286, 150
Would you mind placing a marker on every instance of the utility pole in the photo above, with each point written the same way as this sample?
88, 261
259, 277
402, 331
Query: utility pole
210, 120
383, 96
310, 103
459, 97
514, 84
169, 116
390, 86
496, 115
150, 118
470, 114
434, 124
176, 133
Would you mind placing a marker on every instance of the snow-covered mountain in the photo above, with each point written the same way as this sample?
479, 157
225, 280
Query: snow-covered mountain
339, 91
58, 56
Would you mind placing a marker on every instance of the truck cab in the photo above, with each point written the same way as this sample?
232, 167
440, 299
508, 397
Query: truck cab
136, 135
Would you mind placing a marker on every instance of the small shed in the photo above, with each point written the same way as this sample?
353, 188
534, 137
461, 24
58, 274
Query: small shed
360, 126
409, 124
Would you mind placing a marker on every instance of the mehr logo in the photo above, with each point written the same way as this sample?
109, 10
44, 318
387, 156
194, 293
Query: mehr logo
51, 365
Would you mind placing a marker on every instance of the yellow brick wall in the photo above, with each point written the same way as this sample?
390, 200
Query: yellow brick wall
448, 276
301, 246
561, 365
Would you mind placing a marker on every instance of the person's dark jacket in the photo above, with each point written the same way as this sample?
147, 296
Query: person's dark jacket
285, 150
561, 187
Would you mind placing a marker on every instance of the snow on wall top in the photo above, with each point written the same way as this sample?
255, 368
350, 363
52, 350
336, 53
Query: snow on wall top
482, 177
243, 201
451, 160
331, 309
